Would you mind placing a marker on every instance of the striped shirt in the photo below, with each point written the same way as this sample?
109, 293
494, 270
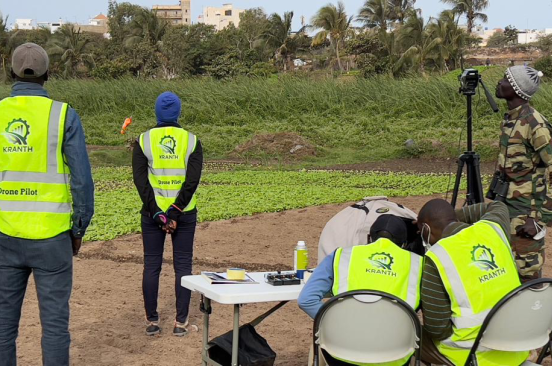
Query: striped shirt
435, 301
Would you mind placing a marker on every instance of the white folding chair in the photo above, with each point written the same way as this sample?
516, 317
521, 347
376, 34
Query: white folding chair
367, 327
521, 321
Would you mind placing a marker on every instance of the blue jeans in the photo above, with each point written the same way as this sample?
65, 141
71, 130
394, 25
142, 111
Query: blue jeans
183, 250
51, 263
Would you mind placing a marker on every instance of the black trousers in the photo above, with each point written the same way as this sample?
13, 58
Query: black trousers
183, 247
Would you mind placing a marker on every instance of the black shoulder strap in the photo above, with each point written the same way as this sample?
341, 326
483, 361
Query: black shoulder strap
362, 207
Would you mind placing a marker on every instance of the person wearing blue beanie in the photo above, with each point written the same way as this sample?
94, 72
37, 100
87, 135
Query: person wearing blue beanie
166, 164
167, 108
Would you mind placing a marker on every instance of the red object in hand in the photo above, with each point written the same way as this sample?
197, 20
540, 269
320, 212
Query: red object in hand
126, 124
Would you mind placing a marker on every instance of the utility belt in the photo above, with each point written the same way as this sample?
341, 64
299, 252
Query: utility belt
498, 190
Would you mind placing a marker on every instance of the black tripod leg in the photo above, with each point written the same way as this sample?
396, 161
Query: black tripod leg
461, 163
475, 188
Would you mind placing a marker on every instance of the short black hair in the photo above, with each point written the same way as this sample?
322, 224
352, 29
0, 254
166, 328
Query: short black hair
437, 213
390, 227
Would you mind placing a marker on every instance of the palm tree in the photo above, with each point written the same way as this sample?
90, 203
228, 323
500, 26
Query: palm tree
399, 9
334, 24
418, 42
453, 38
472, 9
440, 28
278, 35
146, 25
376, 13
71, 47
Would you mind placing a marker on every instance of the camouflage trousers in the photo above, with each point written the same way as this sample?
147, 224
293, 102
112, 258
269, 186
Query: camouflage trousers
528, 252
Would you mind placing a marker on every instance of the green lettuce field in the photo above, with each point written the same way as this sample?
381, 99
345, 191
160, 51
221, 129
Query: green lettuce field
223, 195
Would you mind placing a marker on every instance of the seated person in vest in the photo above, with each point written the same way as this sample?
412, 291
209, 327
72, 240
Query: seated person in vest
468, 269
388, 235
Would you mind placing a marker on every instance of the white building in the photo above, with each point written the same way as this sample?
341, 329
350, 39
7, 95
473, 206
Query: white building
485, 34
52, 26
25, 24
221, 17
532, 35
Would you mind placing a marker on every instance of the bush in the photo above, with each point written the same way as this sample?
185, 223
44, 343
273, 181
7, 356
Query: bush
545, 65
370, 65
263, 69
497, 40
112, 69
227, 66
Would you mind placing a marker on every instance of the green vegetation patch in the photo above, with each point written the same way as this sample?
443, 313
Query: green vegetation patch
224, 195
346, 121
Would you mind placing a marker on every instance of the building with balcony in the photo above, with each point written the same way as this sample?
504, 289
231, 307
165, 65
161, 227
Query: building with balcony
175, 14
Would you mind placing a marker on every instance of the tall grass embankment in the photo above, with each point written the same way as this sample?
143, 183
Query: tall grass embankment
346, 120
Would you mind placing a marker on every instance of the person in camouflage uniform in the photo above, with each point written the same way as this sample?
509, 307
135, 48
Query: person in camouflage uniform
524, 160
547, 205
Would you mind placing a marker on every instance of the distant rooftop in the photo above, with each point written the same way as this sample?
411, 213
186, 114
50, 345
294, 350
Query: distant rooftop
101, 17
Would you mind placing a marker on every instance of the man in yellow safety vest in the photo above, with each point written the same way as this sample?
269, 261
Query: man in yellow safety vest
469, 268
382, 265
42, 145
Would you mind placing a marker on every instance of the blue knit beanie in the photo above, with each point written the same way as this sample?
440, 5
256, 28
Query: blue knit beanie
167, 108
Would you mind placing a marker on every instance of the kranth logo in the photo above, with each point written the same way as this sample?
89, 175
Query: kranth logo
484, 259
168, 145
17, 133
383, 263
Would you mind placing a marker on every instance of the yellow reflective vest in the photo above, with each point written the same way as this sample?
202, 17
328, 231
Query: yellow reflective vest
477, 268
35, 200
380, 266
168, 150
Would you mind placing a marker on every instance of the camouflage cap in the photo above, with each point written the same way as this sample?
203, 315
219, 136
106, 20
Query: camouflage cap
30, 61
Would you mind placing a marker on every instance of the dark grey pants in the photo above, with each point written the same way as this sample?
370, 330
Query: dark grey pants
183, 250
51, 263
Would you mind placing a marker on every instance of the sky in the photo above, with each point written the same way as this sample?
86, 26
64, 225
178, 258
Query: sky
533, 14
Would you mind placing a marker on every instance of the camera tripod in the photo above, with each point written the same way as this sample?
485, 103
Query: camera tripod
470, 159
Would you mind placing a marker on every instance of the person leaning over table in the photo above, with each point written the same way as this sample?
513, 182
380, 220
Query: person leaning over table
167, 162
388, 235
43, 164
472, 245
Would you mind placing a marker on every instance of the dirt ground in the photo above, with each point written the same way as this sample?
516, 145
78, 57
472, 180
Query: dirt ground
107, 317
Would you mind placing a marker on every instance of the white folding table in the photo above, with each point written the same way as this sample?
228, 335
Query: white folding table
237, 295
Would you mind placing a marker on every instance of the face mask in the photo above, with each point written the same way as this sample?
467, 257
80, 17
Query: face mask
424, 241
541, 232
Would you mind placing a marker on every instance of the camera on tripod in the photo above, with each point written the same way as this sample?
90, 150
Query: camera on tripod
469, 81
